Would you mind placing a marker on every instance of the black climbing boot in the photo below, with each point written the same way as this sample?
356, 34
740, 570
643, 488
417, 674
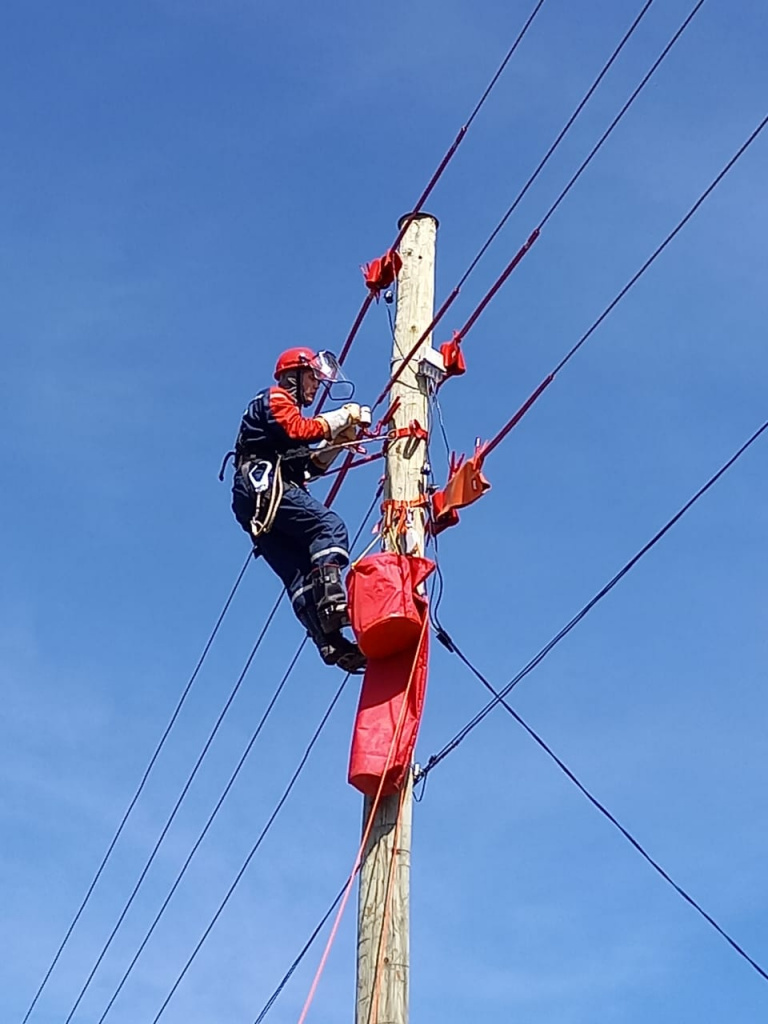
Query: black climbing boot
330, 598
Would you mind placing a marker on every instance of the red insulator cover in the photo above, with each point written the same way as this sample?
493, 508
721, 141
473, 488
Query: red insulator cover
453, 357
466, 485
382, 272
385, 605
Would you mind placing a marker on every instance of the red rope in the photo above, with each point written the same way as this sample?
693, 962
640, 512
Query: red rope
373, 1009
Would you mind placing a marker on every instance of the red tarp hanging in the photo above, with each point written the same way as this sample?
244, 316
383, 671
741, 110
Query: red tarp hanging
389, 618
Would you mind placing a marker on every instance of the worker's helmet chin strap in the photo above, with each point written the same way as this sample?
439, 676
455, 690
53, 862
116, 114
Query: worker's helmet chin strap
301, 399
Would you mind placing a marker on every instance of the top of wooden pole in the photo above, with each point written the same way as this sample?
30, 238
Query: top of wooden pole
416, 216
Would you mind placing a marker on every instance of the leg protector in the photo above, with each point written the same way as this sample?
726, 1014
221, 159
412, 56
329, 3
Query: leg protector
330, 598
304, 609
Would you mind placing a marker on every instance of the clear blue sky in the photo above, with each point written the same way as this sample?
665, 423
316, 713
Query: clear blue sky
188, 186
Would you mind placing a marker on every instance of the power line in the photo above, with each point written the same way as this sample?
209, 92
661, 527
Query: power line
607, 814
538, 658
305, 949
658, 251
249, 746
636, 92
497, 76
224, 794
345, 349
367, 301
512, 265
227, 788
253, 850
558, 139
523, 250
534, 396
422, 199
139, 789
177, 805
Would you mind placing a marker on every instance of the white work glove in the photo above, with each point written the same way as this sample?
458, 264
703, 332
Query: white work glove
324, 455
337, 419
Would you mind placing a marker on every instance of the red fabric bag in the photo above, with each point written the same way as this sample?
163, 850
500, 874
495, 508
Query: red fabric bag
394, 686
384, 610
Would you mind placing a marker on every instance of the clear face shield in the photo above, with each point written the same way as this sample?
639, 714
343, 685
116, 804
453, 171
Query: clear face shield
328, 374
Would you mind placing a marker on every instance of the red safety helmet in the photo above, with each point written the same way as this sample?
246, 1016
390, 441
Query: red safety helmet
324, 365
294, 359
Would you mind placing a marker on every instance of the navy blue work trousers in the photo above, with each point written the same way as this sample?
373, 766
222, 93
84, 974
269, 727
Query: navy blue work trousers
305, 534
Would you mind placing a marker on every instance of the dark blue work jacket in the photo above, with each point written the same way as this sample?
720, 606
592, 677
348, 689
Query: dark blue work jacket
273, 426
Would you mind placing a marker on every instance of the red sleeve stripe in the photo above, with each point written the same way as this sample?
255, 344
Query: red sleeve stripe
288, 416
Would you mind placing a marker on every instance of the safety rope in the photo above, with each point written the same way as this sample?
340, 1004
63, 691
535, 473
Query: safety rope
261, 525
302, 953
373, 1008
368, 828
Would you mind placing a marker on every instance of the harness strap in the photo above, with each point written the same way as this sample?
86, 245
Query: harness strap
263, 523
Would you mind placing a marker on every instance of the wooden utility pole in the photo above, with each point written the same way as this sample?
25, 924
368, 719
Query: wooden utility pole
383, 960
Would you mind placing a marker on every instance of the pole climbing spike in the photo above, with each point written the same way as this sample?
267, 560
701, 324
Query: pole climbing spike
466, 484
381, 272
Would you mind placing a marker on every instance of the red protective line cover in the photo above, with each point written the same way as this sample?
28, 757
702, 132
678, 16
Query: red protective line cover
386, 608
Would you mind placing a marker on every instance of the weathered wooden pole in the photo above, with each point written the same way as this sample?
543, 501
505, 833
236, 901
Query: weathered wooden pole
383, 960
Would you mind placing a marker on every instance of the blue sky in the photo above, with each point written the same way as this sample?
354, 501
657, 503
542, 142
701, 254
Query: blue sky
189, 186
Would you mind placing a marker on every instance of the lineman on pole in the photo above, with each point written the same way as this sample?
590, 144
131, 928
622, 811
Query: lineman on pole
301, 540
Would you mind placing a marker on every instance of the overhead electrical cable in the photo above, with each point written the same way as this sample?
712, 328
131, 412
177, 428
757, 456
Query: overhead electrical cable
243, 757
633, 96
418, 206
423, 198
227, 788
177, 805
526, 246
231, 781
607, 814
140, 788
304, 950
603, 592
558, 139
254, 848
437, 758
533, 397
521, 252
345, 350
